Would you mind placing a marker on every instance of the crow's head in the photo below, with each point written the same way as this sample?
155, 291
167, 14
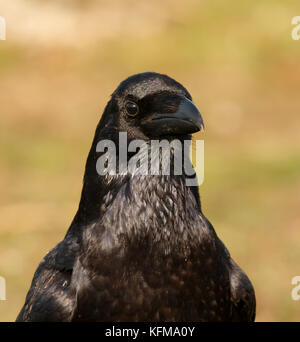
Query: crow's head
150, 105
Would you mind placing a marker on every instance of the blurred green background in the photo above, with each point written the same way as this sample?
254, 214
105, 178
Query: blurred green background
60, 62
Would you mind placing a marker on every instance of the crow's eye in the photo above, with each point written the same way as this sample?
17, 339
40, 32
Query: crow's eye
132, 108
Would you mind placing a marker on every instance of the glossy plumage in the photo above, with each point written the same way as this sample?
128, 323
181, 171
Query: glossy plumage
139, 247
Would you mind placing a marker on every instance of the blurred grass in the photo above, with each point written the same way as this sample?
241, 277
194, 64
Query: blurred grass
240, 64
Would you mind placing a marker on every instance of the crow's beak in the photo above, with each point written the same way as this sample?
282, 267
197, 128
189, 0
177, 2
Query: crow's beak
186, 120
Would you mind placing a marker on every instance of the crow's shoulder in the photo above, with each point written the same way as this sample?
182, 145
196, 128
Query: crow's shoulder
242, 295
50, 297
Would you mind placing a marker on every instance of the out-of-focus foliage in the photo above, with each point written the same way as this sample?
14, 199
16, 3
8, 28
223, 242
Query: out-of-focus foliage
60, 62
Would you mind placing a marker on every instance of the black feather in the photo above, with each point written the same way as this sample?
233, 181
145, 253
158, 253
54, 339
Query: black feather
139, 247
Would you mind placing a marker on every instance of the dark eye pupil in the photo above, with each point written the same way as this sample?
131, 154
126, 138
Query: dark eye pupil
131, 108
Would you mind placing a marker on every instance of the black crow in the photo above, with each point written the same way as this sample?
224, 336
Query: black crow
139, 247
